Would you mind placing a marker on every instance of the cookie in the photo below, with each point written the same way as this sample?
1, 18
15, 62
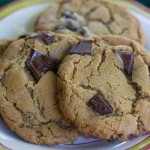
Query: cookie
90, 17
3, 45
104, 88
28, 89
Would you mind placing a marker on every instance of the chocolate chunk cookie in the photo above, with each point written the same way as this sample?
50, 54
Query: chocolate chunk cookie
28, 89
104, 88
88, 17
3, 45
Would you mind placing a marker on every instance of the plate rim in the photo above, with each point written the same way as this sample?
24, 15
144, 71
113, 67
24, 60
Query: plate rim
19, 4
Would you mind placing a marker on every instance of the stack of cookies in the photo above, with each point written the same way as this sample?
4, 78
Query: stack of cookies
84, 71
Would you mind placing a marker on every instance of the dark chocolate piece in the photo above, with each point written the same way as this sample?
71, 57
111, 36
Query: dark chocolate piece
100, 105
45, 37
128, 60
132, 136
23, 36
64, 126
60, 27
81, 31
82, 48
35, 73
69, 14
71, 26
39, 63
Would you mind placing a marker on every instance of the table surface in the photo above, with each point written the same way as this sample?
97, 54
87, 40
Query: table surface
145, 2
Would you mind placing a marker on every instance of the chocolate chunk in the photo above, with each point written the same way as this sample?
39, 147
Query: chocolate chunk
81, 31
69, 14
132, 136
64, 126
45, 37
82, 48
23, 36
100, 105
60, 27
71, 26
39, 63
128, 60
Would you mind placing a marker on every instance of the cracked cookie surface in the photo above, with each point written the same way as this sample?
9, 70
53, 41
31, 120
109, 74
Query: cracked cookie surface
28, 89
90, 17
3, 45
106, 93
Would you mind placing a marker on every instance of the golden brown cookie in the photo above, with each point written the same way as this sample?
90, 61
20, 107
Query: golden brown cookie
104, 88
88, 17
3, 45
28, 89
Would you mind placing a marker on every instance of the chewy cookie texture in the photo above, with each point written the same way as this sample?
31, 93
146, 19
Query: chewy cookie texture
90, 17
55, 86
28, 89
105, 88
3, 46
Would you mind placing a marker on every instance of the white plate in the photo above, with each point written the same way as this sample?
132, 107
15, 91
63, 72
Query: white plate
22, 22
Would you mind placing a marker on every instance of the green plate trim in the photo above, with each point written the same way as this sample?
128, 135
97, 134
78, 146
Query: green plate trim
8, 9
141, 145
